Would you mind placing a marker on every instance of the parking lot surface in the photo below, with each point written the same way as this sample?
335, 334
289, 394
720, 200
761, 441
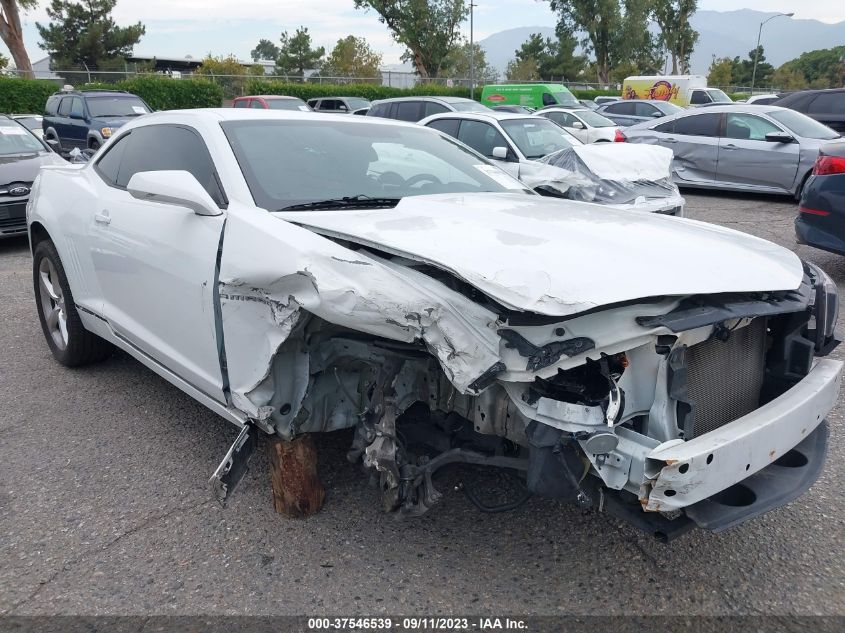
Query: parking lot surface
105, 509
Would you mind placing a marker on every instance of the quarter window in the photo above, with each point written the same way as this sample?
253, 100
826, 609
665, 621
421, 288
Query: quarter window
109, 164
698, 125
447, 126
242, 103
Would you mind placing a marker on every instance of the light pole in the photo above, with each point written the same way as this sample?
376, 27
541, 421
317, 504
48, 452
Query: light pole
757, 49
471, 54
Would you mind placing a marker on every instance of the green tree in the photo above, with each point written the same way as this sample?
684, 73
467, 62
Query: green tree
84, 34
457, 64
352, 57
676, 33
12, 34
522, 69
615, 31
429, 29
743, 69
788, 77
824, 68
229, 73
554, 58
265, 50
720, 72
296, 54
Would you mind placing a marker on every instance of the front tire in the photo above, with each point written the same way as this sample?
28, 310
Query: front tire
71, 344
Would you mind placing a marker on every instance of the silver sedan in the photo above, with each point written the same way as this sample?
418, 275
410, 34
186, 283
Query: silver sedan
763, 149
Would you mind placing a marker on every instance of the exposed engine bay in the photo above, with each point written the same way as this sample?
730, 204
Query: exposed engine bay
575, 408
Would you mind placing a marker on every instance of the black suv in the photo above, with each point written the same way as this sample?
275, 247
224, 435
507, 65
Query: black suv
825, 106
86, 119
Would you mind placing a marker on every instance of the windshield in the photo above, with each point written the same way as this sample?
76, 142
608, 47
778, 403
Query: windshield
802, 125
537, 137
594, 119
30, 122
565, 98
667, 108
718, 96
16, 139
116, 106
287, 104
467, 106
288, 163
356, 104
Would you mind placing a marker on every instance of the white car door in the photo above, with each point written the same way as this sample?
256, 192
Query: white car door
155, 263
483, 138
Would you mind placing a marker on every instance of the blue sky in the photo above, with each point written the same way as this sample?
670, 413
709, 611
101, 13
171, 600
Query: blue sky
197, 27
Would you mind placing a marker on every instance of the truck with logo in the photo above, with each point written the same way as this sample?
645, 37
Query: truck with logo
528, 95
682, 90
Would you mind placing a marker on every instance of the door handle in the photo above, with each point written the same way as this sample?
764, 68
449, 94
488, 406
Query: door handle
730, 146
102, 217
670, 140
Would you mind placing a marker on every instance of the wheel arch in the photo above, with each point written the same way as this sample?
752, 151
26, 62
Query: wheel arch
37, 233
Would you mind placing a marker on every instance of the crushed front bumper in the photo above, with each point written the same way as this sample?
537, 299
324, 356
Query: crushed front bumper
776, 451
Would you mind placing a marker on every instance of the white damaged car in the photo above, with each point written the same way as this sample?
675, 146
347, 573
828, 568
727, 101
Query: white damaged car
300, 275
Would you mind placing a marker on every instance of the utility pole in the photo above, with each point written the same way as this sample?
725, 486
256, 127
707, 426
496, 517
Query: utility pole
757, 50
471, 53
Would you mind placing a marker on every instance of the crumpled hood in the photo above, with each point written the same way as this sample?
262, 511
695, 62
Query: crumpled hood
558, 257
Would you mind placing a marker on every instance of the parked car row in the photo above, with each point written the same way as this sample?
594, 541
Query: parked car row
380, 276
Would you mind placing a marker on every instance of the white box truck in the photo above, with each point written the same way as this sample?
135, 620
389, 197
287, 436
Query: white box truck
682, 90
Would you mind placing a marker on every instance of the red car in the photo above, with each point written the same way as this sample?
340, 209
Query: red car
271, 102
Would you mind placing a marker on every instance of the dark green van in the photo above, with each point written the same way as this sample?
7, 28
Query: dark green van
528, 95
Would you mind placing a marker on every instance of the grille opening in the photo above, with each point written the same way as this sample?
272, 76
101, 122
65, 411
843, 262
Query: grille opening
724, 379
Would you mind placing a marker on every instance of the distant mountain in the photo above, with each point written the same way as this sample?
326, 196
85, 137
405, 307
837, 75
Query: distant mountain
783, 39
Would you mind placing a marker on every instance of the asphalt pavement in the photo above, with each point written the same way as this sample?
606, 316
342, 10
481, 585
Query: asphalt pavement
105, 509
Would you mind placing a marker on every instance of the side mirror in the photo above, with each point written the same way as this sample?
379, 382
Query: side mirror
53, 144
343, 108
779, 137
500, 152
578, 125
656, 115
177, 188
77, 115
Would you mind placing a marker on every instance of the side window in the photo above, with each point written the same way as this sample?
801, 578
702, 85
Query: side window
748, 127
645, 109
828, 103
64, 107
434, 108
109, 165
52, 106
624, 107
408, 111
698, 97
256, 104
548, 99
380, 109
561, 118
447, 126
76, 107
698, 125
482, 137
242, 103
169, 147
666, 128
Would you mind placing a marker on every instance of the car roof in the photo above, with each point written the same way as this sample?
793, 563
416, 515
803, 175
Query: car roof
216, 115
564, 108
267, 97
495, 115
91, 93
425, 98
